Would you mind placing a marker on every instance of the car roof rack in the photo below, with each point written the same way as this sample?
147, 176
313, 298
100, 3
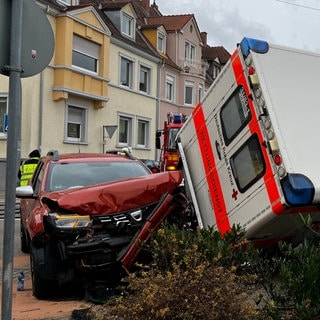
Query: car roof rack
54, 154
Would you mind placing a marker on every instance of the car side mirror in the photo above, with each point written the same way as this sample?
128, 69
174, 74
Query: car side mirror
24, 192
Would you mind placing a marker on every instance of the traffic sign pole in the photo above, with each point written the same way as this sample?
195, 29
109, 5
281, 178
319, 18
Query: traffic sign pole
13, 155
31, 49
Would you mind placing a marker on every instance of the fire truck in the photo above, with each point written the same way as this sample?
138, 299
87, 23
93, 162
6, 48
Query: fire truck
250, 149
169, 156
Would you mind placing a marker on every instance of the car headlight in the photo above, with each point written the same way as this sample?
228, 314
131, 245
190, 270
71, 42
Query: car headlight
70, 221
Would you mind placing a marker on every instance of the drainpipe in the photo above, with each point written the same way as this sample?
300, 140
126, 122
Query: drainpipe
158, 104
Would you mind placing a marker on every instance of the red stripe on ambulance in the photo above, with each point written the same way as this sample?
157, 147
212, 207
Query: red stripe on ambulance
215, 189
269, 180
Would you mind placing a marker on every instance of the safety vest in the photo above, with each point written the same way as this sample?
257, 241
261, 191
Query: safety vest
27, 169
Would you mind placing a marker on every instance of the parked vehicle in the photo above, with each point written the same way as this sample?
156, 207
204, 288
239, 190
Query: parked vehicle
84, 216
250, 148
169, 156
153, 165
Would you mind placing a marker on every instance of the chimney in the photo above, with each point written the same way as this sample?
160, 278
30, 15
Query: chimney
145, 4
203, 36
154, 5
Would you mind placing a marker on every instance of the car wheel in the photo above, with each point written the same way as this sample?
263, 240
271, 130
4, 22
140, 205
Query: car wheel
24, 246
41, 288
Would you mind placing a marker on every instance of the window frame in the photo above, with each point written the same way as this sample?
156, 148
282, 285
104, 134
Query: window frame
83, 123
128, 22
128, 72
129, 133
170, 82
190, 52
236, 107
258, 169
161, 42
147, 72
3, 99
146, 133
189, 85
86, 50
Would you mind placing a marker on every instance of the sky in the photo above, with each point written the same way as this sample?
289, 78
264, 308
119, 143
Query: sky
292, 23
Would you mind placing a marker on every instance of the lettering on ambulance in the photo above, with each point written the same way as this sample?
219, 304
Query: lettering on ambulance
269, 181
208, 160
224, 150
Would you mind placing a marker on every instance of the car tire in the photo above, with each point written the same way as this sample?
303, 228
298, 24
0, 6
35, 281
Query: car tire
41, 288
24, 245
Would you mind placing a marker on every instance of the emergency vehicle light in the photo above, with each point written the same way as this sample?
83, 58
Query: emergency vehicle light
297, 189
177, 118
281, 172
251, 70
255, 45
173, 157
277, 159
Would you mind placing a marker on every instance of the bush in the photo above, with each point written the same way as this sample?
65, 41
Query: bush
193, 276
297, 292
201, 275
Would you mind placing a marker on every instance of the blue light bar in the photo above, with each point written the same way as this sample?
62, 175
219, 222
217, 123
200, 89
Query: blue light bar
177, 118
259, 46
298, 189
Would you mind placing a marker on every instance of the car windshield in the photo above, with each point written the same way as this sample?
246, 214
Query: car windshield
71, 175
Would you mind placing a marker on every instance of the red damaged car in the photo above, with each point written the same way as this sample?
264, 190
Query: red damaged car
85, 215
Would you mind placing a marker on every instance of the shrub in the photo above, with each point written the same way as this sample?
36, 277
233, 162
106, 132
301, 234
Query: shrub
202, 275
296, 292
193, 276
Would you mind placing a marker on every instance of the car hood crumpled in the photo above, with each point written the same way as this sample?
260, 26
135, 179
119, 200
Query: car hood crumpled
118, 196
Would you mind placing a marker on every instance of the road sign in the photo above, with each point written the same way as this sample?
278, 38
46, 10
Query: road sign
5, 24
37, 43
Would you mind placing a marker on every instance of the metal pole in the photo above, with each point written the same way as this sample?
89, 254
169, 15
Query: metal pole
13, 156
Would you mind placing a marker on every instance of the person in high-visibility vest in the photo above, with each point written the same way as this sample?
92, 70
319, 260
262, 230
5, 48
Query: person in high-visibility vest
28, 167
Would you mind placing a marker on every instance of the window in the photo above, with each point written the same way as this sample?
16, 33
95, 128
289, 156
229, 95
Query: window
144, 82
190, 53
143, 133
126, 72
161, 42
3, 114
200, 92
76, 124
85, 54
235, 114
188, 93
216, 71
170, 87
172, 134
125, 131
127, 25
248, 164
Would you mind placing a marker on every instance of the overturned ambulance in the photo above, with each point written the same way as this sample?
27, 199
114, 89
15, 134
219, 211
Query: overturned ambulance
250, 149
